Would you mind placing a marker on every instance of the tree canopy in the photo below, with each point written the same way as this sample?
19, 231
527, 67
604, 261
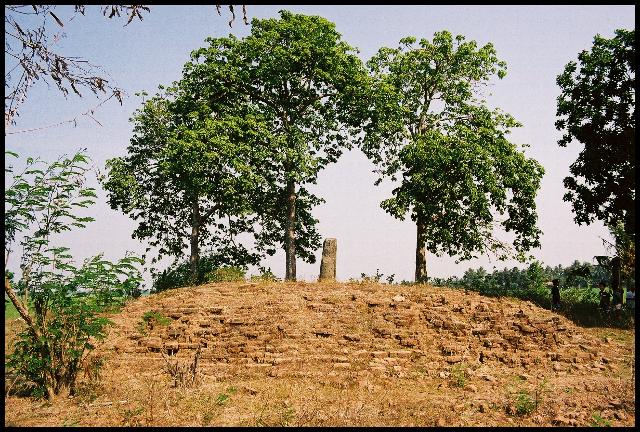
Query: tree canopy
428, 127
597, 108
303, 80
189, 174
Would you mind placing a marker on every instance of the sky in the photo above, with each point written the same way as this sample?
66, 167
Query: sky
535, 41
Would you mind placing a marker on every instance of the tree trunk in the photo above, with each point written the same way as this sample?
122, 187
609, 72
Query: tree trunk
290, 234
22, 310
421, 252
195, 233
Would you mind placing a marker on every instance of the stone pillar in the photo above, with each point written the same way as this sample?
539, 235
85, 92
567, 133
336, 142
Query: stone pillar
328, 264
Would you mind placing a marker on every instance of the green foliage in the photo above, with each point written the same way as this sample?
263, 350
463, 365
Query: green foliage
578, 293
65, 320
624, 247
428, 129
151, 319
226, 274
375, 278
155, 317
190, 172
596, 107
302, 81
266, 275
598, 421
524, 403
459, 375
179, 273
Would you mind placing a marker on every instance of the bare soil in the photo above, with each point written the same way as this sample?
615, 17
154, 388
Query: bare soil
329, 354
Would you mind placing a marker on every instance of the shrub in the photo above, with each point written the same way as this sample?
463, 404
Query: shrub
578, 297
151, 319
266, 275
226, 274
598, 421
459, 375
62, 304
524, 403
211, 268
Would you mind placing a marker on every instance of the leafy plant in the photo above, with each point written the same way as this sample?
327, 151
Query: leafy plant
598, 421
524, 403
151, 319
226, 274
597, 108
191, 170
179, 274
65, 320
373, 278
459, 375
301, 81
266, 275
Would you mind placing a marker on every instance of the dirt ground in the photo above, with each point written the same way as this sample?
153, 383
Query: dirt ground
337, 354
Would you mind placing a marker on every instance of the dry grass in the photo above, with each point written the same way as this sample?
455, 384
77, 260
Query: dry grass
300, 354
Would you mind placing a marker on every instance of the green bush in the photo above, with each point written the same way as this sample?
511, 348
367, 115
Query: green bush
211, 268
151, 319
63, 304
266, 275
524, 403
459, 375
226, 274
578, 296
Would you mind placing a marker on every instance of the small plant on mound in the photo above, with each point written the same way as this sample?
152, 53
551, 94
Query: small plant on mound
211, 268
151, 319
598, 421
376, 278
521, 402
266, 275
226, 274
524, 403
459, 375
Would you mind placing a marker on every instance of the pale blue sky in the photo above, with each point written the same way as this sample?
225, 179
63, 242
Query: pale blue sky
535, 41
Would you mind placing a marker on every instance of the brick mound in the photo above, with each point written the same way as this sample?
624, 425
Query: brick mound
335, 354
373, 328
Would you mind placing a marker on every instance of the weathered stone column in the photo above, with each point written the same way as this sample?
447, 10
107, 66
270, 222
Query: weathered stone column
328, 263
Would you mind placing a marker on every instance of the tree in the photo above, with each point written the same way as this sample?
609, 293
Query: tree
597, 108
457, 168
29, 47
303, 80
64, 302
191, 167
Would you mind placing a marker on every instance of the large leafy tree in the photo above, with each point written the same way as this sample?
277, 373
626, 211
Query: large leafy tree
189, 174
597, 108
303, 80
428, 127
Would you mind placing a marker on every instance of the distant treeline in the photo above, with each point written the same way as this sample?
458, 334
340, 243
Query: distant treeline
577, 275
578, 288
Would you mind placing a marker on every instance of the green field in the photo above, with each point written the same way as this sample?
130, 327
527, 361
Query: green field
10, 311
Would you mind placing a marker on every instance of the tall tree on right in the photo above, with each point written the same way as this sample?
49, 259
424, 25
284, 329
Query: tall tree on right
428, 126
597, 108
